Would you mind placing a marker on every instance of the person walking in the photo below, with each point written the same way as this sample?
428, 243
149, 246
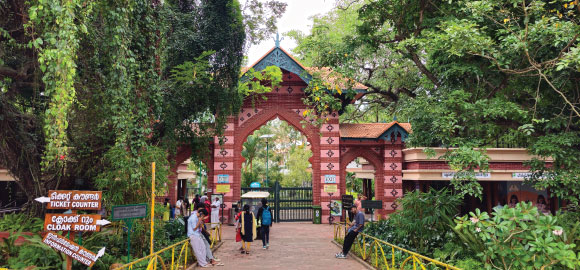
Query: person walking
265, 216
194, 224
207, 205
215, 212
238, 227
179, 208
248, 230
356, 227
167, 209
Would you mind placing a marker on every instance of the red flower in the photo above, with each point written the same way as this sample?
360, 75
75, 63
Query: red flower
62, 157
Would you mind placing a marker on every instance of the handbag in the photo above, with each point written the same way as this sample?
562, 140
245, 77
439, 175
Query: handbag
238, 235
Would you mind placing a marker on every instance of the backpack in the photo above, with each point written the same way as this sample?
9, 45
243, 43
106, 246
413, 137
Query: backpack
266, 217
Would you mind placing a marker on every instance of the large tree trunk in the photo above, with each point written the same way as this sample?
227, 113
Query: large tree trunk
21, 144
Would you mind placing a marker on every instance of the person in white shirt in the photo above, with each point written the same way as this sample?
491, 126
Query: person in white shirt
178, 207
194, 224
215, 212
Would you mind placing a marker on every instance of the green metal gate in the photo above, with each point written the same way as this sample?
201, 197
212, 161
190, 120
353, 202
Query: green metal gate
288, 203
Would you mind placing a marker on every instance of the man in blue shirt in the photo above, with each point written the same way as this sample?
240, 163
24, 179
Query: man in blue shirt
356, 227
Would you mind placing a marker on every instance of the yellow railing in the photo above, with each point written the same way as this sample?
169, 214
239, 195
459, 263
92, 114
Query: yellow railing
372, 250
178, 260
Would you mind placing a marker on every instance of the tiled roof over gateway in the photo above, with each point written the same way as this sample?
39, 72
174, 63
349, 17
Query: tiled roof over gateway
326, 73
369, 130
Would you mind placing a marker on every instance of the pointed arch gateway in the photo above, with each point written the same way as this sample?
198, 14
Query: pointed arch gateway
332, 144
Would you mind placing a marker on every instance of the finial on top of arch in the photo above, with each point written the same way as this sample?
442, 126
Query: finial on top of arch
277, 40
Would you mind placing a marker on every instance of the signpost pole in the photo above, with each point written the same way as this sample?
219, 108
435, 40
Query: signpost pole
72, 238
129, 223
199, 180
267, 148
152, 205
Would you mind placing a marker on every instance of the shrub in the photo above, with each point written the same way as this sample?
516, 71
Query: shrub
21, 222
519, 238
424, 221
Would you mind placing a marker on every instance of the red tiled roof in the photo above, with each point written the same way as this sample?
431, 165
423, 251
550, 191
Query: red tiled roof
369, 130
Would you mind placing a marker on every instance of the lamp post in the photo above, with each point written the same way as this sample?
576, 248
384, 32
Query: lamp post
267, 137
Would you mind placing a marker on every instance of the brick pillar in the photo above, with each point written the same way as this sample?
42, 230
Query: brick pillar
224, 164
329, 163
171, 187
393, 174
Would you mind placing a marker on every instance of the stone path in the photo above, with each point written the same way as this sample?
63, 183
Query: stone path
292, 246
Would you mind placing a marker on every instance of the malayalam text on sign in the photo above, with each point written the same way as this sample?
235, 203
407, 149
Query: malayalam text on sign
70, 249
71, 222
74, 199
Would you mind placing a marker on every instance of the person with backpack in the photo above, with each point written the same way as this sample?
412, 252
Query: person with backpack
265, 216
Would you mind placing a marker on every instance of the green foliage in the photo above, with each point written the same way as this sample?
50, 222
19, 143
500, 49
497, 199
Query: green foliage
84, 82
467, 74
562, 177
425, 218
353, 184
260, 82
36, 253
521, 238
423, 223
297, 164
55, 24
175, 229
129, 180
21, 222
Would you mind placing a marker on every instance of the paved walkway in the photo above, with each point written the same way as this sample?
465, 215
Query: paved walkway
292, 246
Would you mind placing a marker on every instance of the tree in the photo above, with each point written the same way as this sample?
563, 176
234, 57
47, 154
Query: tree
297, 166
98, 90
249, 152
468, 75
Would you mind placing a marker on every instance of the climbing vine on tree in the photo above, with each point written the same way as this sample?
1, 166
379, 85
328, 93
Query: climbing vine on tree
54, 27
93, 91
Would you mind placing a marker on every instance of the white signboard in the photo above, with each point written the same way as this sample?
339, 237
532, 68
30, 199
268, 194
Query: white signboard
521, 175
223, 179
330, 179
477, 175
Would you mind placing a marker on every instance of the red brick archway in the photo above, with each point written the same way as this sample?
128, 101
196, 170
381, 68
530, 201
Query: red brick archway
292, 118
381, 144
284, 102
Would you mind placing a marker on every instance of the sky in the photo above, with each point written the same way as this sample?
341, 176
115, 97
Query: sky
296, 17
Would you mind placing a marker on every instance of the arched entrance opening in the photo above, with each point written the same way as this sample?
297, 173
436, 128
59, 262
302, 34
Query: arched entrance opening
364, 175
360, 178
276, 152
290, 203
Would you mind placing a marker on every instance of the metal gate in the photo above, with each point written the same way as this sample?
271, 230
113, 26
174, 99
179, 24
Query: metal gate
288, 203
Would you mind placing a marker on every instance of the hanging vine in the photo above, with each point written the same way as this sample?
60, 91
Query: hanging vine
55, 28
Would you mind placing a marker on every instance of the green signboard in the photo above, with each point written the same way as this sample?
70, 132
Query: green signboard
129, 211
